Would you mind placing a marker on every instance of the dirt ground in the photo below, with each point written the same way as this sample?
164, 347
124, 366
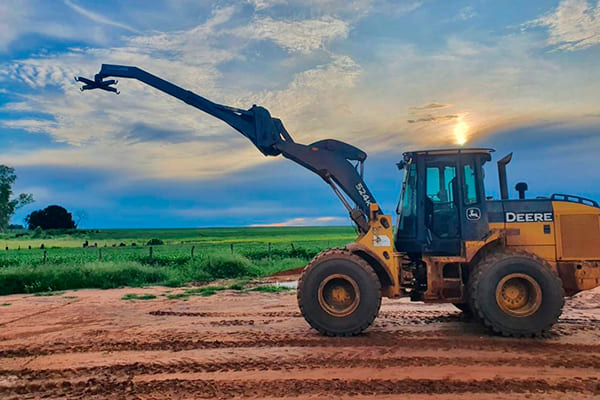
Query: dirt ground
92, 344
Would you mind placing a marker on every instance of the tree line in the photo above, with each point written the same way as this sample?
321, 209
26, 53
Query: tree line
51, 217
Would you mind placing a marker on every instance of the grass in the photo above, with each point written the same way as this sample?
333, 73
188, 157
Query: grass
201, 236
133, 296
187, 256
40, 294
270, 289
46, 280
206, 291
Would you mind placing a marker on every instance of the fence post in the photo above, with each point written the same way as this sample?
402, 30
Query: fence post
231, 245
151, 253
99, 254
193, 252
270, 254
293, 249
45, 256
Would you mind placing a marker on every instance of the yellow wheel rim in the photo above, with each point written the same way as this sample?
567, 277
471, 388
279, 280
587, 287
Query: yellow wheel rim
339, 295
519, 295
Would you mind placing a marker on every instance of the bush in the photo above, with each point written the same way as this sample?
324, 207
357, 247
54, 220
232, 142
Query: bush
297, 252
38, 232
227, 267
90, 275
154, 242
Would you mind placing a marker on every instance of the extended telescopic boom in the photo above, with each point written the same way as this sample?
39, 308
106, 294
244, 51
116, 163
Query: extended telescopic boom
330, 159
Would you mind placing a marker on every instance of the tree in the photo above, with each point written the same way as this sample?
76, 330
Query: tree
8, 205
51, 217
80, 216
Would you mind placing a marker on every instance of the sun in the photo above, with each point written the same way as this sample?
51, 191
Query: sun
460, 132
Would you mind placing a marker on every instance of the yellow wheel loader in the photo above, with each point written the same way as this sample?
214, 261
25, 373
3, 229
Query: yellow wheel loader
508, 262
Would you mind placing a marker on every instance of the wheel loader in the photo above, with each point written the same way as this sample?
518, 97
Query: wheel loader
508, 262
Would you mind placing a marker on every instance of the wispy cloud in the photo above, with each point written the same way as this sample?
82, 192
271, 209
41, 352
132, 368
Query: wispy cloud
433, 118
55, 20
13, 16
263, 4
97, 17
573, 25
301, 36
466, 13
430, 106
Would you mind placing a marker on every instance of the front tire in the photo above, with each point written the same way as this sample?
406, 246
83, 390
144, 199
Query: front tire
516, 294
339, 294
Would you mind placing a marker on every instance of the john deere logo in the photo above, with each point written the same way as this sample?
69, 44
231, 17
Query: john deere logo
529, 217
473, 214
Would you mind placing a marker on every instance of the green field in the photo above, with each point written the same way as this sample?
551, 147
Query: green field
116, 258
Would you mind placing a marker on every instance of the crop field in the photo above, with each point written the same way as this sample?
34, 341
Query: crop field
33, 262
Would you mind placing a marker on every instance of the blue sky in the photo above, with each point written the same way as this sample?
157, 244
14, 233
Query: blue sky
386, 76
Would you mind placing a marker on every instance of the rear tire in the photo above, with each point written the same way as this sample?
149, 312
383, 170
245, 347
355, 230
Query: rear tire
515, 294
339, 294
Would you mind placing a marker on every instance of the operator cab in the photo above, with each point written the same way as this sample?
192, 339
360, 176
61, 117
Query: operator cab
443, 201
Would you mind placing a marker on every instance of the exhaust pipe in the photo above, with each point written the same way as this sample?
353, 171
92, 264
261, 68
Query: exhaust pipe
502, 176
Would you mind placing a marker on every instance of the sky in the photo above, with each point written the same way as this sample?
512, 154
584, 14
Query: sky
386, 76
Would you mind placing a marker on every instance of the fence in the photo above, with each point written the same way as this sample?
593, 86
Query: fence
181, 252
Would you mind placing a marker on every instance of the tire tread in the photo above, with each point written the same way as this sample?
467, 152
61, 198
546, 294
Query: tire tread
338, 253
476, 276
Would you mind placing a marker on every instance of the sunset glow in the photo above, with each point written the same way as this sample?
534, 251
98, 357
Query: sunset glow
460, 132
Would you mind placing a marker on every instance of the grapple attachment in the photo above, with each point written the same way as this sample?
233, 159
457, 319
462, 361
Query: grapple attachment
97, 83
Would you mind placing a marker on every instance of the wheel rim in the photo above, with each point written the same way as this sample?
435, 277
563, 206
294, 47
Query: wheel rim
519, 295
339, 295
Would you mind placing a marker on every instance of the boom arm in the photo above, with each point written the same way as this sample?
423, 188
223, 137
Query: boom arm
330, 159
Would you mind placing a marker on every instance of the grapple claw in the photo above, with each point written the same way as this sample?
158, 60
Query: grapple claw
97, 83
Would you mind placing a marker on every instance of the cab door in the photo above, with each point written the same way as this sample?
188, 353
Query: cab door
442, 207
473, 204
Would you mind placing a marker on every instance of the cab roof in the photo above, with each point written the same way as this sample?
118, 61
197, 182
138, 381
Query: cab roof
461, 150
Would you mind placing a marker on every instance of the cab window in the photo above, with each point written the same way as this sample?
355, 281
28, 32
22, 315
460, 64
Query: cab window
439, 183
470, 192
407, 207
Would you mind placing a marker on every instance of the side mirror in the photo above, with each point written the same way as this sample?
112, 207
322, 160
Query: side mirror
400, 165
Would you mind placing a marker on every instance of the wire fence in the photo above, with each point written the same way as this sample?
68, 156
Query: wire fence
166, 252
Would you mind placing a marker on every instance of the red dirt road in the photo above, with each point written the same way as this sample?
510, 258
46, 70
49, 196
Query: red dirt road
92, 344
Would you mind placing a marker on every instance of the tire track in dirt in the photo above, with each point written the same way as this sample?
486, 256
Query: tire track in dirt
236, 349
407, 318
268, 314
247, 339
305, 363
38, 313
110, 388
413, 316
